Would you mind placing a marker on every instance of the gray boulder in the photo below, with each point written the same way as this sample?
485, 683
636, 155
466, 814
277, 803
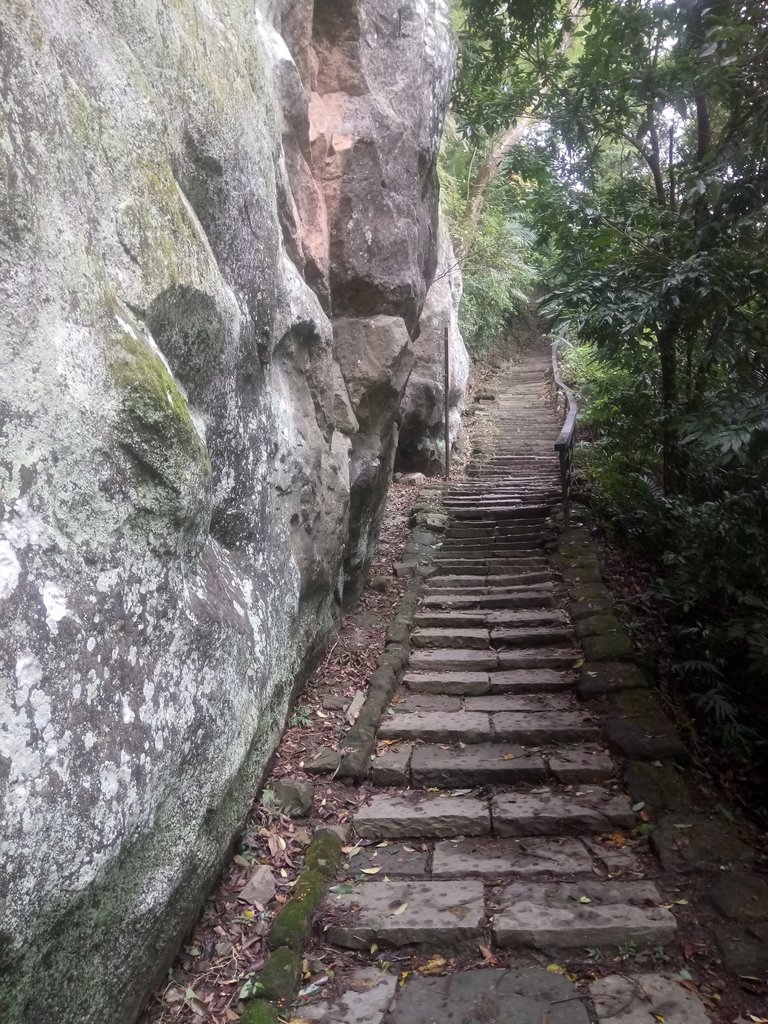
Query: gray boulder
178, 436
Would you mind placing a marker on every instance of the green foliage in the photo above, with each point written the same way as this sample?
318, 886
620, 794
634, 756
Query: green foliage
710, 547
302, 717
645, 178
497, 258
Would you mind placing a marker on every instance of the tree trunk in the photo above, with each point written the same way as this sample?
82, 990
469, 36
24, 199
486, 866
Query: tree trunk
505, 142
489, 169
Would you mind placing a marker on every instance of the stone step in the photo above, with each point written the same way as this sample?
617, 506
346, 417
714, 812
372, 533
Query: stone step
447, 682
489, 617
488, 551
518, 575
528, 995
521, 597
466, 637
530, 703
437, 727
491, 703
478, 727
538, 658
529, 680
421, 816
586, 810
581, 915
492, 532
477, 764
542, 727
513, 681
480, 585
580, 764
449, 660
530, 636
400, 913
511, 858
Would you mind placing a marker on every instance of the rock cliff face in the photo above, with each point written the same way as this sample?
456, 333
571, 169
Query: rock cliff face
218, 229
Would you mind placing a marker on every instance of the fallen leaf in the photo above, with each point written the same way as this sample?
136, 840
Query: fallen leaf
488, 956
434, 966
196, 1004
370, 871
508, 757
400, 909
638, 806
403, 976
584, 899
555, 969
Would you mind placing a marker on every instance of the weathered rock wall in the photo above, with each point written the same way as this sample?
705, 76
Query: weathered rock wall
194, 195
422, 436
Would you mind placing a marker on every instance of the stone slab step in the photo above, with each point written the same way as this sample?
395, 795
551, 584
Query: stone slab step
517, 858
447, 682
405, 913
627, 999
405, 703
575, 765
422, 816
455, 636
479, 586
542, 727
529, 680
581, 915
524, 597
528, 995
490, 617
530, 703
587, 810
531, 636
538, 658
393, 766
477, 764
450, 660
437, 727
491, 703
491, 547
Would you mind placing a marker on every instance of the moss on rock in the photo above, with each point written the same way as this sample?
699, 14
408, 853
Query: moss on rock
293, 924
258, 1011
153, 406
280, 978
324, 853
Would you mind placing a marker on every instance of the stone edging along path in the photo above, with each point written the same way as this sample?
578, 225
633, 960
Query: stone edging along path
528, 848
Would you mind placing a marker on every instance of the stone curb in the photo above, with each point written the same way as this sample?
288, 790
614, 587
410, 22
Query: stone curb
278, 982
359, 742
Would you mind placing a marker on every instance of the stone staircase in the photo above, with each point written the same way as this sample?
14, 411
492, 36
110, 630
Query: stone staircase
495, 797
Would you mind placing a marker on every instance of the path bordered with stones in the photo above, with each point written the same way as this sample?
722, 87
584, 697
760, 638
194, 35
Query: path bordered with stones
497, 786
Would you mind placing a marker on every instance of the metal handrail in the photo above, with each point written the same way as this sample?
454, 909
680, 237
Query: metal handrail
564, 442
